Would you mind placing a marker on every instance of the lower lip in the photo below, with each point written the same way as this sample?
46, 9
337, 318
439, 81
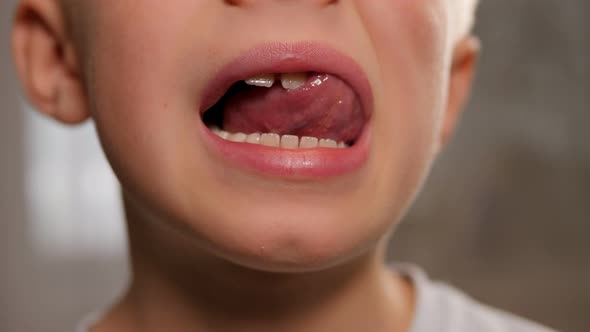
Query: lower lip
290, 163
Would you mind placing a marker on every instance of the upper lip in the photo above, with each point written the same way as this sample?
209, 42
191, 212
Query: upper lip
289, 58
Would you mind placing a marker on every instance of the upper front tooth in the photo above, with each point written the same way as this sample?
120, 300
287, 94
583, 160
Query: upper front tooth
265, 80
292, 81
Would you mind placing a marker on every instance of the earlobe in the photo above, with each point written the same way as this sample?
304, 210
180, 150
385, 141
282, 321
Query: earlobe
48, 76
461, 79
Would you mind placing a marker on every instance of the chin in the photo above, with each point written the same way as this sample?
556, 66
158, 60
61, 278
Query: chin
286, 239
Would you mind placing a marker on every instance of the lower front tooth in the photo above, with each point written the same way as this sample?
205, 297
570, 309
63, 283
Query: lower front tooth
223, 134
272, 140
237, 137
328, 143
289, 142
253, 138
308, 142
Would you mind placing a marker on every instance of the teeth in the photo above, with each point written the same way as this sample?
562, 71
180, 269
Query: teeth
289, 142
253, 138
265, 80
238, 137
293, 81
223, 134
308, 142
289, 81
328, 143
274, 140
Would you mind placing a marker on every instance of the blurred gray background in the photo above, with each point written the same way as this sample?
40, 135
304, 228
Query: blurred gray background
505, 215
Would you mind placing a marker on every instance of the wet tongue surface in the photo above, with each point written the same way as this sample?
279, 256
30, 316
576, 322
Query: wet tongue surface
324, 107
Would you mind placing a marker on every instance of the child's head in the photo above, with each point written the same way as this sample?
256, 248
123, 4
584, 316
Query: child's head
143, 71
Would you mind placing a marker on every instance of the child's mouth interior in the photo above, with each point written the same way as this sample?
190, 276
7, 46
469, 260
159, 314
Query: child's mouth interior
295, 110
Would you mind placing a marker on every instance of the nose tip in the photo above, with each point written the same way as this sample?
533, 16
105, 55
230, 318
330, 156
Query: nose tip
246, 3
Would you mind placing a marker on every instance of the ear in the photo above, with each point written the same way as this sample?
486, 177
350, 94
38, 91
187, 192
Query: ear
45, 61
463, 67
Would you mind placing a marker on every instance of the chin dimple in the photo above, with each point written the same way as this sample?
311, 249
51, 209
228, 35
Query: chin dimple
278, 141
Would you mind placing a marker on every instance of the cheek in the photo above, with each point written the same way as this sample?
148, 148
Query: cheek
139, 53
410, 40
139, 95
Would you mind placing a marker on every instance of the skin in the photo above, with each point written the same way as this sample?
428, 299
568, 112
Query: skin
273, 254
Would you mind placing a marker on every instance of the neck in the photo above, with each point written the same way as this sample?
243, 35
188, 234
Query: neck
176, 287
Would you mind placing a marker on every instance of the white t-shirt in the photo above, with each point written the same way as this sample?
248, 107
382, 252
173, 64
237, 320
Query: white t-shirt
440, 308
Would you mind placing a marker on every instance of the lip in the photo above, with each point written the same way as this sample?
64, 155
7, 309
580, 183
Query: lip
299, 163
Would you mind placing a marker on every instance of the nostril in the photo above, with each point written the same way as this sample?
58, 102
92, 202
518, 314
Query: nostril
246, 2
232, 2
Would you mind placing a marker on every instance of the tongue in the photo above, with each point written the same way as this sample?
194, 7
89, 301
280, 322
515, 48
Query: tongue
324, 107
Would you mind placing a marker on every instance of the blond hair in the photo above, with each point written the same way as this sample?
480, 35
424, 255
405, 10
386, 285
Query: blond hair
463, 17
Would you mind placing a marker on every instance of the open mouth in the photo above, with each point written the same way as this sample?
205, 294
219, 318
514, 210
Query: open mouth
302, 110
290, 109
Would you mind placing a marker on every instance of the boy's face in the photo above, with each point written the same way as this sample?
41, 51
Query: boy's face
147, 69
